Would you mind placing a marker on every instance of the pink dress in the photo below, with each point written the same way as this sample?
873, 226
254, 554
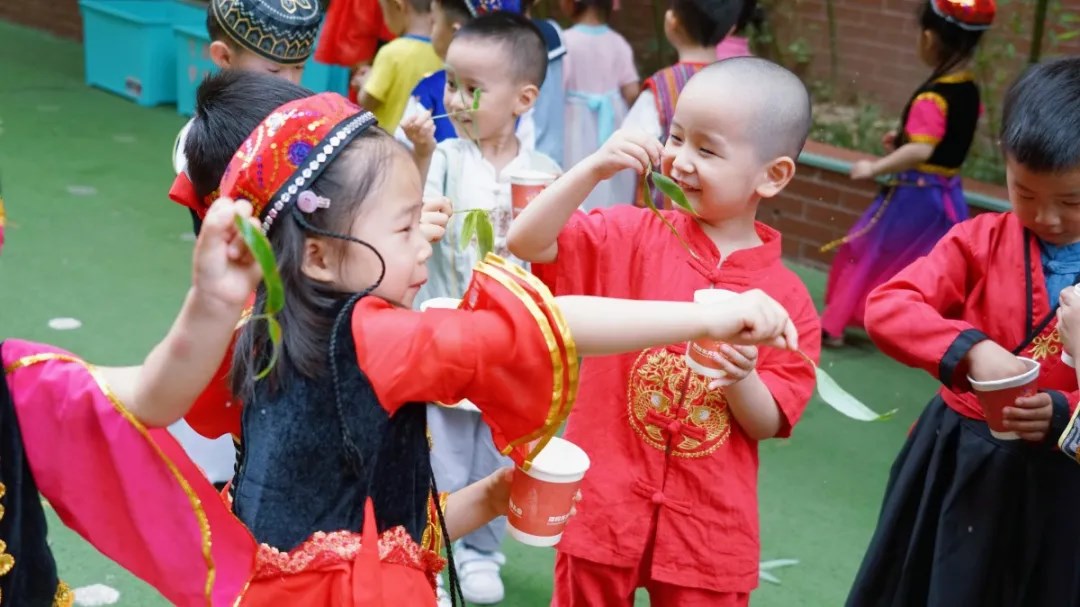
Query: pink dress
733, 46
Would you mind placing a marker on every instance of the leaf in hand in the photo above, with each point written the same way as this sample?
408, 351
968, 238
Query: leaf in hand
468, 230
672, 190
839, 399
485, 233
275, 292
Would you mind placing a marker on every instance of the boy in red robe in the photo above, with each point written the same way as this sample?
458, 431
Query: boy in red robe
970, 518
670, 503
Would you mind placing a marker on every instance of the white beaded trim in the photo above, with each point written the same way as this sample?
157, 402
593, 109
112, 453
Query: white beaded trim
342, 136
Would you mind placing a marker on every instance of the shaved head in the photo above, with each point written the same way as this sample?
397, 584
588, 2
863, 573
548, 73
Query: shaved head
779, 120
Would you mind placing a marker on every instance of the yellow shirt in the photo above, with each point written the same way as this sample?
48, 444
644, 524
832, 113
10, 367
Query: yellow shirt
397, 69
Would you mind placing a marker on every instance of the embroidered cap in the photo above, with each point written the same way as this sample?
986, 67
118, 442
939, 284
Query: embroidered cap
973, 15
483, 7
289, 150
283, 31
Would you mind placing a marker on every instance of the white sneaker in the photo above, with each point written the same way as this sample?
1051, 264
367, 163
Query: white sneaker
441, 594
478, 573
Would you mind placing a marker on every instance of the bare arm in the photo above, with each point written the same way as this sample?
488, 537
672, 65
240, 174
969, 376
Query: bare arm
754, 407
630, 92
477, 504
907, 156
368, 102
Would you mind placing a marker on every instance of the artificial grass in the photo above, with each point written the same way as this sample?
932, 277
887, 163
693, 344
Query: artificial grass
92, 235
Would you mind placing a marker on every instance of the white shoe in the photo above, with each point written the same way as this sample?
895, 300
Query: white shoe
441, 594
478, 573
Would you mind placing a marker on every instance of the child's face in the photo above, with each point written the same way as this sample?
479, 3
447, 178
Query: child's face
226, 57
389, 220
395, 15
442, 30
473, 65
711, 153
1048, 204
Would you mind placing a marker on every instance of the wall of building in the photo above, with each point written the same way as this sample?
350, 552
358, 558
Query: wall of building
60, 17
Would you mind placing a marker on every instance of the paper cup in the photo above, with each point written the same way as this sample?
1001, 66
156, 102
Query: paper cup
525, 185
542, 497
703, 355
449, 303
995, 395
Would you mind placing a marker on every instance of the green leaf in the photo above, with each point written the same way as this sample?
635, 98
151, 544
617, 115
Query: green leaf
476, 100
485, 233
672, 190
839, 399
264, 254
274, 328
468, 230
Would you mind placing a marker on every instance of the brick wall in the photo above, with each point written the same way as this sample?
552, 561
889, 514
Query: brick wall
60, 17
820, 205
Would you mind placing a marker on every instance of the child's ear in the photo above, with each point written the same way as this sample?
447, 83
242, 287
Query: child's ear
526, 99
778, 174
221, 54
317, 260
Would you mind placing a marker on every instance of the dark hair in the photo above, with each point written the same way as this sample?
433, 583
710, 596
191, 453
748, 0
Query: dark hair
1041, 117
235, 102
752, 15
707, 22
604, 7
215, 31
957, 44
456, 10
522, 42
228, 107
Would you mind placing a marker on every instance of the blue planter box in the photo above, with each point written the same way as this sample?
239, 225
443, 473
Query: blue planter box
129, 46
193, 64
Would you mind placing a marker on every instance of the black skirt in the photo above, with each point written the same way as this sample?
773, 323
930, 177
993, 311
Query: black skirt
972, 521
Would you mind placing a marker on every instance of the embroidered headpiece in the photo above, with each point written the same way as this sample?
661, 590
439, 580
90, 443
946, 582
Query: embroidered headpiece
283, 31
483, 7
288, 151
973, 15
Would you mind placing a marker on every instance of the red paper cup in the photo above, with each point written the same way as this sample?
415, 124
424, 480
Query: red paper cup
526, 185
995, 395
703, 355
542, 497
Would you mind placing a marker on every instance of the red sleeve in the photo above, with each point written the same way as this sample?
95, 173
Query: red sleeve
926, 119
788, 376
216, 413
916, 318
594, 249
351, 32
506, 350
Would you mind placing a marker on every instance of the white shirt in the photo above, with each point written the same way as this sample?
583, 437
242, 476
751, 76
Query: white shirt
643, 115
179, 159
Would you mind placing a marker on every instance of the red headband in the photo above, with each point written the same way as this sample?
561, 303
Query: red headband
289, 150
972, 15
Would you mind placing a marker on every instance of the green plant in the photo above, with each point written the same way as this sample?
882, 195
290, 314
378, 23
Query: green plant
275, 292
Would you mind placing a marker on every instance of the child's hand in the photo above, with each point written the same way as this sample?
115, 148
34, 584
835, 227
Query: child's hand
753, 318
498, 492
420, 130
434, 217
360, 76
626, 149
738, 363
1068, 316
988, 361
888, 140
862, 169
1030, 417
224, 270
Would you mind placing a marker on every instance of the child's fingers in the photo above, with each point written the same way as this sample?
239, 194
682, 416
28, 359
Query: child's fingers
1036, 402
1030, 426
634, 158
1033, 437
1025, 414
723, 382
737, 357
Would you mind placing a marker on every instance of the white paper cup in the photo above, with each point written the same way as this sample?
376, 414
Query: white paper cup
526, 185
995, 395
703, 355
542, 497
449, 303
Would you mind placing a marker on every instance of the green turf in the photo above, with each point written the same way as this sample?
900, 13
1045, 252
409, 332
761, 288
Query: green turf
116, 261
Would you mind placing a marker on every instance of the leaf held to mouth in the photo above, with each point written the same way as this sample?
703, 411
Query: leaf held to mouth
669, 188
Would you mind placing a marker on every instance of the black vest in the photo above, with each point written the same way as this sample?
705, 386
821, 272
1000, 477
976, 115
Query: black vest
961, 120
294, 476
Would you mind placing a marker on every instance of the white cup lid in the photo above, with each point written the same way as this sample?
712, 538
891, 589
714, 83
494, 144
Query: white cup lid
560, 460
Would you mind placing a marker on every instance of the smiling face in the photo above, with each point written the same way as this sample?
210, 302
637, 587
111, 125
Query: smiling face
1048, 204
474, 64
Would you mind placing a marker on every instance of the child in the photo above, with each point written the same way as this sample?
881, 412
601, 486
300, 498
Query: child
601, 83
502, 55
346, 396
540, 128
401, 63
694, 28
925, 198
352, 34
737, 44
969, 519
252, 35
670, 502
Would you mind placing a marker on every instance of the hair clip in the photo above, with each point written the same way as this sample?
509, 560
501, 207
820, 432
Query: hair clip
309, 202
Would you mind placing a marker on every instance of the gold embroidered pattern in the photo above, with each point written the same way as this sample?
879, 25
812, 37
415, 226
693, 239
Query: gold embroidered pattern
1045, 346
64, 597
396, 546
7, 562
665, 399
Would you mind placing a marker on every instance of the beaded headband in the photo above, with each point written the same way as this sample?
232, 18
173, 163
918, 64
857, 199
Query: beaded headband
289, 150
483, 7
282, 31
972, 15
